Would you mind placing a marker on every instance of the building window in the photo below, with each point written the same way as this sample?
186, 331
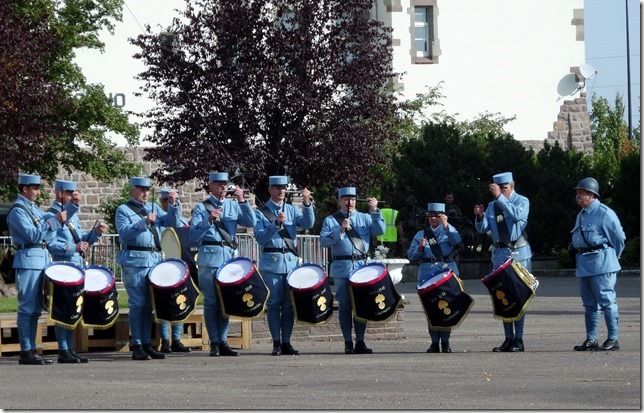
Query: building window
422, 31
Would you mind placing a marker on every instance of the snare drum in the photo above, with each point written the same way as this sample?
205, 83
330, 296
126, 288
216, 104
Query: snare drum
175, 243
444, 301
373, 295
63, 293
174, 295
242, 291
311, 293
101, 306
511, 288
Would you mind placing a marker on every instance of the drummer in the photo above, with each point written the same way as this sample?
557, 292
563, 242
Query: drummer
213, 228
436, 247
164, 327
276, 231
139, 224
31, 230
507, 218
347, 233
72, 245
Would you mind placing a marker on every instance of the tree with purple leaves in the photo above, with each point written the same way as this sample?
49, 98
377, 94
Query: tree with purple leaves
300, 87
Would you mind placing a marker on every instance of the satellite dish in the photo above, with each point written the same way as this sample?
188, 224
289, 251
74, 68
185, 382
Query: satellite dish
587, 71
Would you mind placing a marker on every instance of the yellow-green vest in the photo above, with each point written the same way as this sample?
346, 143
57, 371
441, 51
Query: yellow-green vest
391, 232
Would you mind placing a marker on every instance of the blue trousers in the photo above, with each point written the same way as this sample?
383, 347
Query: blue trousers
345, 315
29, 285
164, 330
279, 309
597, 295
136, 284
442, 336
64, 338
216, 322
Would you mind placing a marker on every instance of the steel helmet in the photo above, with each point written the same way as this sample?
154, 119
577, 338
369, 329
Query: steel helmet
589, 184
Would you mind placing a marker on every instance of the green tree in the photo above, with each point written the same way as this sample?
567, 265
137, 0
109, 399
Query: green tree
49, 114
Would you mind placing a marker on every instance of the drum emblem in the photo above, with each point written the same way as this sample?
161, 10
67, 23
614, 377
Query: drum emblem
380, 300
444, 306
79, 304
432, 241
109, 306
322, 303
500, 295
499, 218
181, 301
248, 299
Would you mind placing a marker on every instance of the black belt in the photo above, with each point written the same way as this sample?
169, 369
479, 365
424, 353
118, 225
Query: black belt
594, 248
283, 250
135, 248
42, 245
434, 259
217, 243
349, 257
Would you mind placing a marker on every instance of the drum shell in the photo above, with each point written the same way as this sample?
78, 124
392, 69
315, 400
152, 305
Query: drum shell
376, 300
313, 305
174, 303
63, 300
245, 298
445, 303
101, 308
509, 292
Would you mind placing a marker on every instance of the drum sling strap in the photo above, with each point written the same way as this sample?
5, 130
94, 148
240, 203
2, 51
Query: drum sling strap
283, 233
355, 239
504, 234
436, 248
219, 226
141, 212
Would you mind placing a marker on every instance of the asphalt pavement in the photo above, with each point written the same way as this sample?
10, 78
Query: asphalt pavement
399, 375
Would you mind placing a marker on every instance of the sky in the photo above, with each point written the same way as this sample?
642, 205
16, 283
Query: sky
605, 39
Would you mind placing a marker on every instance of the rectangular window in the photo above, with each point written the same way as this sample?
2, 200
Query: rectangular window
423, 31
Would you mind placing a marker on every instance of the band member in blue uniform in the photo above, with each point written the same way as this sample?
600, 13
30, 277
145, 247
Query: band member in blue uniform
598, 241
507, 218
276, 232
31, 231
436, 247
139, 224
164, 326
72, 245
347, 234
213, 228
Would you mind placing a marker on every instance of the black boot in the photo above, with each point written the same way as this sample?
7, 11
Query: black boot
225, 350
30, 357
361, 348
507, 343
277, 348
445, 347
214, 350
81, 359
178, 347
165, 346
609, 345
288, 350
147, 347
65, 357
517, 345
433, 348
348, 347
587, 345
138, 353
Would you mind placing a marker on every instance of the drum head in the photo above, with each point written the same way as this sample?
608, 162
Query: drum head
168, 273
170, 244
235, 270
64, 272
367, 273
435, 280
306, 276
98, 279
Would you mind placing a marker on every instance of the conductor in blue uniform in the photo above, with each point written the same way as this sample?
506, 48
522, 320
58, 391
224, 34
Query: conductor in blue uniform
598, 241
276, 232
507, 218
31, 231
139, 224
347, 234
213, 228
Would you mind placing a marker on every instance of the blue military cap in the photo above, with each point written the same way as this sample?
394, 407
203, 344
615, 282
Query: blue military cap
218, 177
24, 179
140, 181
436, 207
277, 180
502, 178
165, 192
62, 185
347, 191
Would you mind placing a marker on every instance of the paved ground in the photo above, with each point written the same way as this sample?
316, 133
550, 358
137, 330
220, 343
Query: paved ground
400, 375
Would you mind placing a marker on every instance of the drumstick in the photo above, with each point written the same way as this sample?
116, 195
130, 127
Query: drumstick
367, 200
